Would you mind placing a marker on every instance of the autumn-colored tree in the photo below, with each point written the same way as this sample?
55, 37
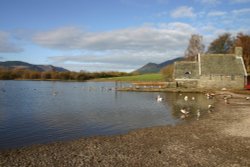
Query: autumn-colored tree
243, 40
195, 47
26, 74
223, 44
168, 72
46, 75
35, 75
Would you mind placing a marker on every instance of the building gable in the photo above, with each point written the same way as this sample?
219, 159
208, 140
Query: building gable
186, 70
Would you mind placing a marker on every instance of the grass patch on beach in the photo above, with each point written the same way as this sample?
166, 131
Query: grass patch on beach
143, 78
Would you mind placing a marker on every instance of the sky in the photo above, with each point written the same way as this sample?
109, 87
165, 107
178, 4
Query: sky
112, 35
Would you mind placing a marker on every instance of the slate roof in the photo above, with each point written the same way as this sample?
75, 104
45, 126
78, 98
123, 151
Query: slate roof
211, 64
221, 64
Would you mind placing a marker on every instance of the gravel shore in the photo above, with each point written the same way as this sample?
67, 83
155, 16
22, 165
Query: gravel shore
221, 139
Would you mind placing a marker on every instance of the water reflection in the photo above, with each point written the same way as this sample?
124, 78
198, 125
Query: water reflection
42, 112
189, 106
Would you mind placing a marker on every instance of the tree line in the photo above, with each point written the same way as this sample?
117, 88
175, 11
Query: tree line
11, 74
223, 44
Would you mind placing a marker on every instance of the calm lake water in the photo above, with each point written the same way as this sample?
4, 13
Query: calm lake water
36, 112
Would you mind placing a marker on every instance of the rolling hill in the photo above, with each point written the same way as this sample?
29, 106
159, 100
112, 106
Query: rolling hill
154, 68
26, 66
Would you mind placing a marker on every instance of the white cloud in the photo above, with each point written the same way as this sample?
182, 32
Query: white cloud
62, 38
241, 11
216, 13
77, 66
6, 46
125, 48
118, 61
183, 12
133, 39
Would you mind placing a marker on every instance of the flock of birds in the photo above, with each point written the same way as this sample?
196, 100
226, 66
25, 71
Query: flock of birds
186, 111
55, 93
107, 89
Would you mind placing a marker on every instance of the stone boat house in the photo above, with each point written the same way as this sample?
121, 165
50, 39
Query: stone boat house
212, 71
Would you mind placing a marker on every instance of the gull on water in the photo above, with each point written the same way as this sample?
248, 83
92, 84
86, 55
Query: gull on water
159, 98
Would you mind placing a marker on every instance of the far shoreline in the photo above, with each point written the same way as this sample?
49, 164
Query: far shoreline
129, 89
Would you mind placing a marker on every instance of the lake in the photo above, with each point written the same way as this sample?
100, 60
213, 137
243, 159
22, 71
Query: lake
37, 112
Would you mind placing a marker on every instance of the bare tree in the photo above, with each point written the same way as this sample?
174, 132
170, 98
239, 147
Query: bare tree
195, 46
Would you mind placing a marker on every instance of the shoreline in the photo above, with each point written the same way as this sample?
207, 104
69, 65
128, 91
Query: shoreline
221, 139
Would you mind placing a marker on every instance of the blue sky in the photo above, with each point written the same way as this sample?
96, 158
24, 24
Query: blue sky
112, 35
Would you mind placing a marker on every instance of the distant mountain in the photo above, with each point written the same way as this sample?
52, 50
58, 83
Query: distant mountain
154, 68
27, 66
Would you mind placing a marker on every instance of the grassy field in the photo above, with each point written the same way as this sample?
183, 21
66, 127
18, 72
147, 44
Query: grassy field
142, 78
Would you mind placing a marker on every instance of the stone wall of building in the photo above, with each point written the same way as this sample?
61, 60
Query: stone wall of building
220, 81
186, 70
187, 83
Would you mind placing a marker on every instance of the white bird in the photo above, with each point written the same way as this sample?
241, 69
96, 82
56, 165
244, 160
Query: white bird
184, 111
228, 97
210, 96
209, 106
198, 114
226, 101
193, 98
186, 98
159, 98
248, 98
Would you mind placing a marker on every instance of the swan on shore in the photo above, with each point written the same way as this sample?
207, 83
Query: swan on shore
184, 111
210, 96
186, 98
198, 114
210, 106
226, 101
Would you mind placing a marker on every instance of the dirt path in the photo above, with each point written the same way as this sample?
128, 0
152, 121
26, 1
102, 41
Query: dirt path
222, 139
